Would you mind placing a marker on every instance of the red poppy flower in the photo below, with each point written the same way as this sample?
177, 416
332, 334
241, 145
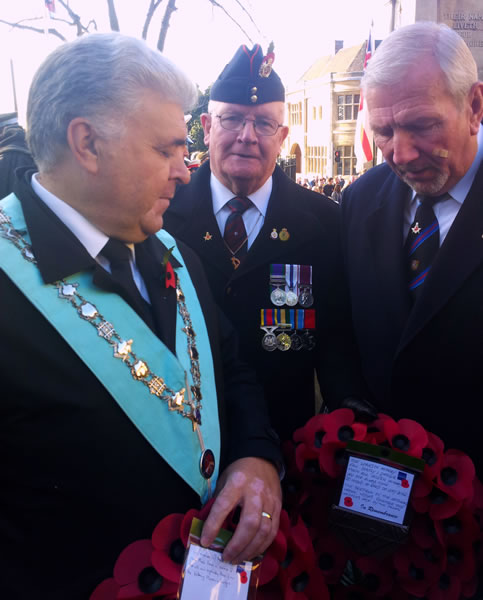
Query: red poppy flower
331, 557
300, 582
375, 430
422, 531
456, 475
106, 590
468, 588
446, 588
341, 426
437, 503
415, 572
333, 459
374, 576
312, 433
406, 435
460, 561
272, 559
461, 529
170, 278
168, 554
432, 455
193, 513
307, 460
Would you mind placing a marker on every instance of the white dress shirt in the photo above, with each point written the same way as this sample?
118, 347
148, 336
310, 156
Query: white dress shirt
447, 209
253, 217
92, 238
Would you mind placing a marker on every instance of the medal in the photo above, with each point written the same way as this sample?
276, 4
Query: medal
277, 284
274, 234
283, 341
308, 340
305, 286
291, 277
278, 297
306, 299
296, 342
269, 340
291, 299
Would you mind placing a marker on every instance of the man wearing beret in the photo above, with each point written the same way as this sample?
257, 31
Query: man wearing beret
122, 395
269, 246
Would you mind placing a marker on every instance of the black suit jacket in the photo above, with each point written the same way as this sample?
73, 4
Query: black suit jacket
79, 482
313, 224
423, 363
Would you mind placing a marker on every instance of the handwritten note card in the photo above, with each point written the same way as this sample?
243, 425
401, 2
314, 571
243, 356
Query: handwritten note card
375, 489
207, 577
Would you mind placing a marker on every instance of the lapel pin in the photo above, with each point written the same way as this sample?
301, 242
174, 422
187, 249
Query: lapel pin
416, 229
207, 237
274, 234
284, 235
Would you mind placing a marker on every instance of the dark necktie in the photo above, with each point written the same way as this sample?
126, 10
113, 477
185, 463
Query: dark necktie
235, 235
118, 255
422, 243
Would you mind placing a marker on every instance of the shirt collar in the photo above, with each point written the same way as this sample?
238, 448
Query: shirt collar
221, 195
459, 191
92, 238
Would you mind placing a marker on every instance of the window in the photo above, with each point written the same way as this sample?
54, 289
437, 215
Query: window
295, 113
316, 160
348, 107
347, 164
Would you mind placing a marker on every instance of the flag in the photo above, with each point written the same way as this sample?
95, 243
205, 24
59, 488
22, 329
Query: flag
50, 5
363, 142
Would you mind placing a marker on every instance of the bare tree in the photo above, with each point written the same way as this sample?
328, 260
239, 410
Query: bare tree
75, 20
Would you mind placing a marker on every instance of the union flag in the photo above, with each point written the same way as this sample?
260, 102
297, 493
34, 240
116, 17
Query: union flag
363, 142
50, 4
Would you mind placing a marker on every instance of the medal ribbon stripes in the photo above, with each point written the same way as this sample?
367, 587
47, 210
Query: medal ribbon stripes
291, 285
287, 329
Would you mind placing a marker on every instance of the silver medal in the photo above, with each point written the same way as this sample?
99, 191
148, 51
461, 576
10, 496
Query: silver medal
305, 298
292, 298
269, 342
278, 297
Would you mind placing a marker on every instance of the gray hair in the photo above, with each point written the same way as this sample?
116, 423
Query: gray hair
405, 47
101, 77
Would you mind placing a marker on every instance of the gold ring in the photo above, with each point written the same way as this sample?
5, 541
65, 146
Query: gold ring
265, 514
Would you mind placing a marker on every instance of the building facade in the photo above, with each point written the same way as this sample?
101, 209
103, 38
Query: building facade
322, 112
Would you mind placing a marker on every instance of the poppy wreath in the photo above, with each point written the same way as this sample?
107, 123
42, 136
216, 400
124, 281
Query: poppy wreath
151, 568
442, 556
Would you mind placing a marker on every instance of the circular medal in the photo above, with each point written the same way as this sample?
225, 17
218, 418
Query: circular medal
284, 342
306, 299
207, 463
292, 298
274, 234
278, 297
308, 341
269, 342
296, 342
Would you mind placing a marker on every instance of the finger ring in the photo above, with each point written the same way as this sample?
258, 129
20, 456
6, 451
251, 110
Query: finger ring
268, 515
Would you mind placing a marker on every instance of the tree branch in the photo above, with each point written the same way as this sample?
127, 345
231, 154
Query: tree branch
113, 21
36, 29
153, 5
249, 15
165, 24
76, 20
218, 5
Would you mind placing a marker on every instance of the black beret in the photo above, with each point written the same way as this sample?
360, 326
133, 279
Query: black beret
249, 79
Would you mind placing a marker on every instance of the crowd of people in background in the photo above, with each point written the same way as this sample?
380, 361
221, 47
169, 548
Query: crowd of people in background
331, 187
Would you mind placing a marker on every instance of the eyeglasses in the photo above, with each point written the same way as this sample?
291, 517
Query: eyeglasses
261, 125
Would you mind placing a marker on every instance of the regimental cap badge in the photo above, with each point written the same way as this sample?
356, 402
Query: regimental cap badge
267, 62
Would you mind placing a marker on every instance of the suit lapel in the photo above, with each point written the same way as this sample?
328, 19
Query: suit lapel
300, 226
460, 254
385, 237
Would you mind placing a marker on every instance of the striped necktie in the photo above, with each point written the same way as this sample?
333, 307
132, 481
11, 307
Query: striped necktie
235, 234
422, 242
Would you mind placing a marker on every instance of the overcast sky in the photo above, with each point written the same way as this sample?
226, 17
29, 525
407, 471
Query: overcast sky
201, 39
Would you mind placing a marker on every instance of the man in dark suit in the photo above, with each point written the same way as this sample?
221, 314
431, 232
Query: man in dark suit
13, 151
122, 394
413, 235
270, 247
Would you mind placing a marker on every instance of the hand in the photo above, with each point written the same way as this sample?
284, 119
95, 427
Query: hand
254, 485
